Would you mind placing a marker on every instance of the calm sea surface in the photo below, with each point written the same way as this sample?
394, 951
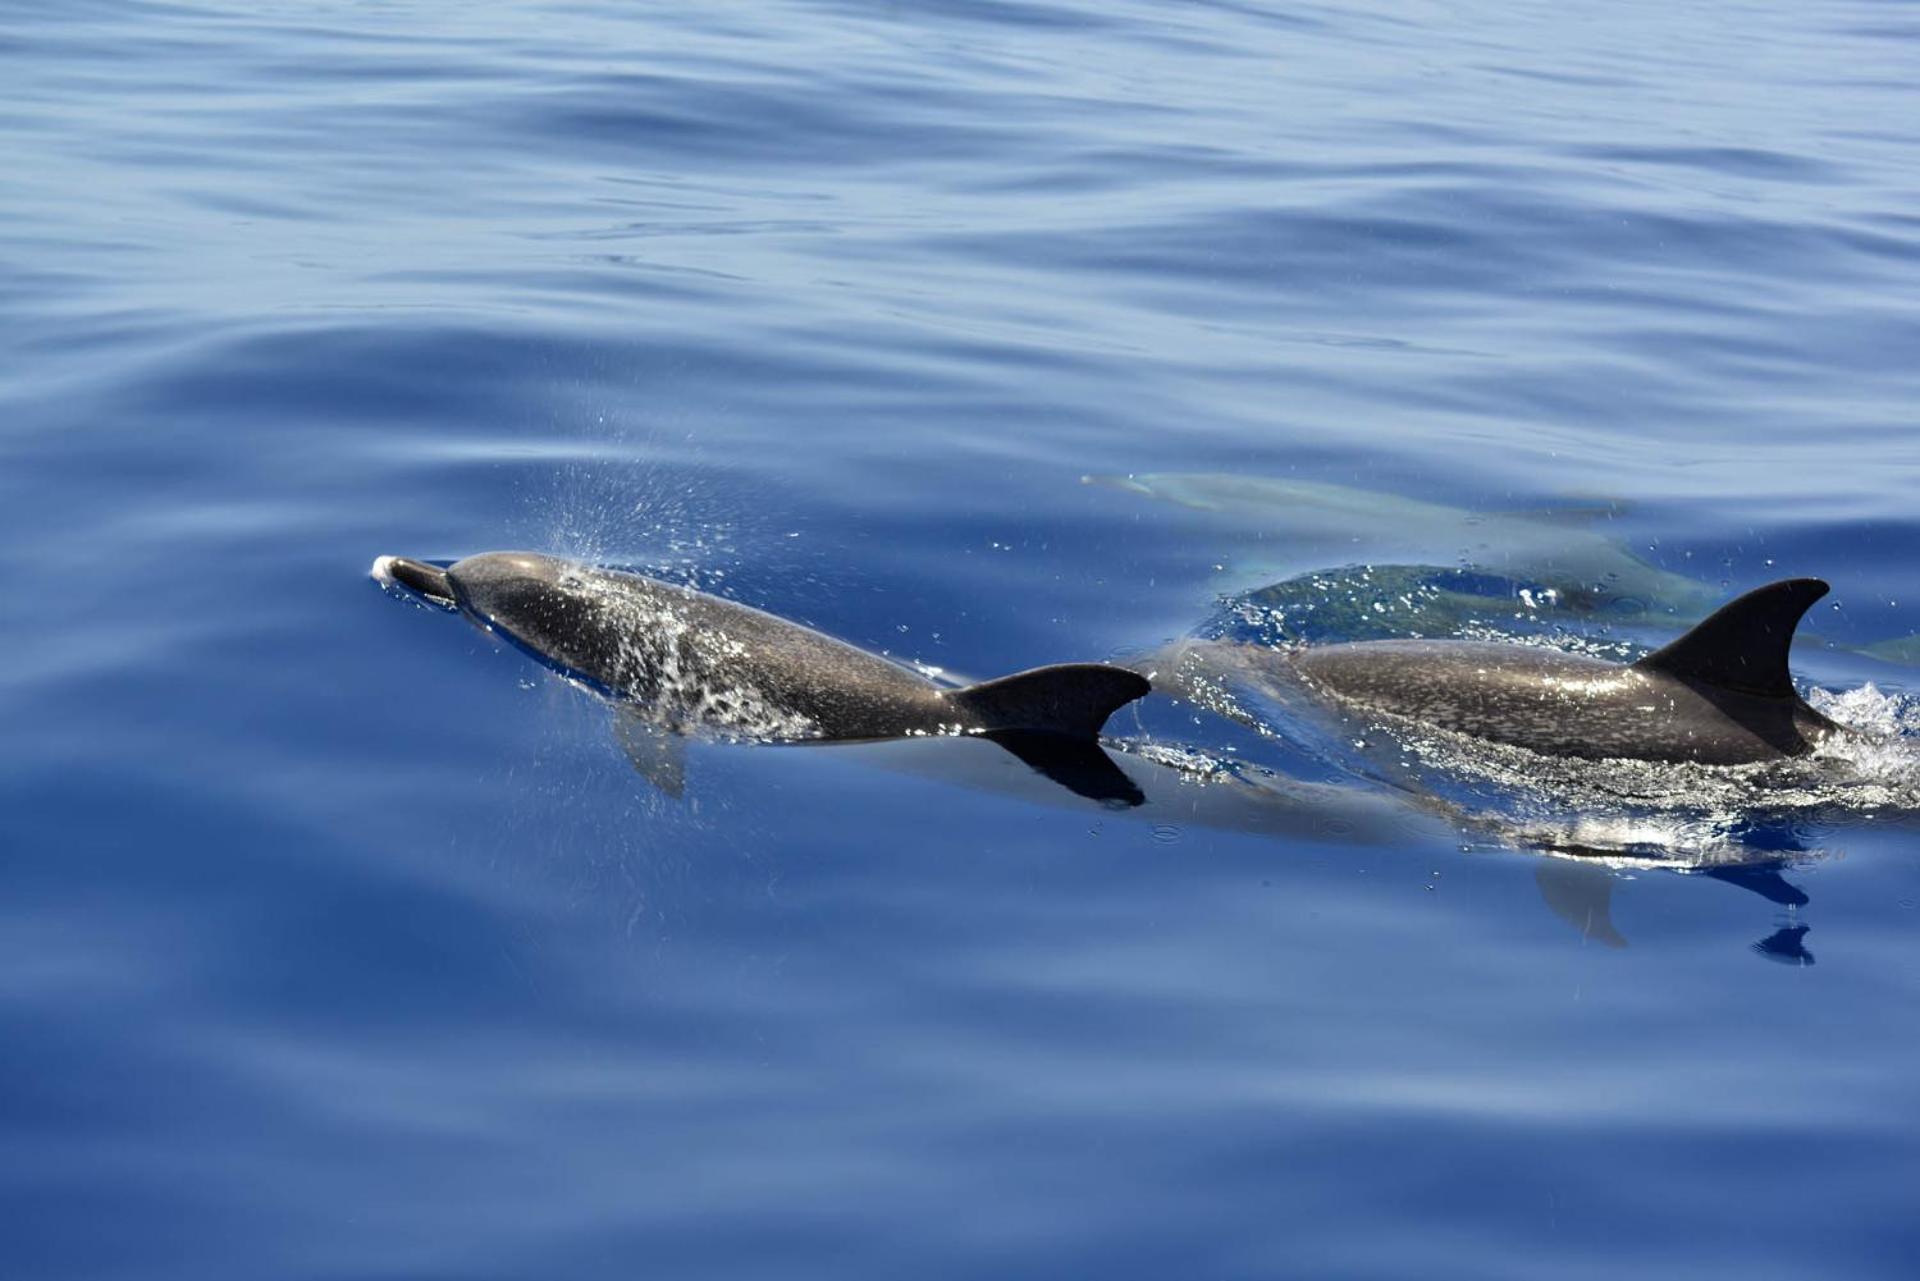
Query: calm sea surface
338, 941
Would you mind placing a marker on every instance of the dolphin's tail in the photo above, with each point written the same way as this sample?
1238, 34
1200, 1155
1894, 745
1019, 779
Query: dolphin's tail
1050, 717
1068, 699
416, 576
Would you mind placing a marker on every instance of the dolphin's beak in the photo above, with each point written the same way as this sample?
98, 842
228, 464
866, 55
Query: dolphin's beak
429, 581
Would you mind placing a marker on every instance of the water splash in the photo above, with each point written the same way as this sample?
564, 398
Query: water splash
680, 673
631, 514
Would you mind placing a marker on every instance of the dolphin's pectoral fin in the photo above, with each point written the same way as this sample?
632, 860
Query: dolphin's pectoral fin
1742, 646
657, 754
1071, 699
1077, 764
1582, 897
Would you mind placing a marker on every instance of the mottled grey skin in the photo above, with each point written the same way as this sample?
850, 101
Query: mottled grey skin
1719, 695
1562, 704
694, 659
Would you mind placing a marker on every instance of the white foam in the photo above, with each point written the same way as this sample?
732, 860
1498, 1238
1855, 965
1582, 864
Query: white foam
694, 676
1868, 710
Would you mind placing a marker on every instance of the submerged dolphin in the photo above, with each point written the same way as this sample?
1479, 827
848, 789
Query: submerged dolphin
1313, 524
1719, 695
1555, 562
690, 660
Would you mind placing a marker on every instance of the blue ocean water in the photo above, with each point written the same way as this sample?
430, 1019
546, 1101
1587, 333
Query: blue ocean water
339, 941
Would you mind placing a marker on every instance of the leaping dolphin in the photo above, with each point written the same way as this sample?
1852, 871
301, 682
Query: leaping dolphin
688, 660
1719, 695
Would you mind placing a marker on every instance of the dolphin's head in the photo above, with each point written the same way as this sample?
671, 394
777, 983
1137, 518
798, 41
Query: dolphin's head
558, 609
488, 585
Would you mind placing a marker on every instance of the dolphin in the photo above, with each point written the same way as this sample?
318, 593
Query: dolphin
1304, 524
683, 660
1902, 650
1721, 694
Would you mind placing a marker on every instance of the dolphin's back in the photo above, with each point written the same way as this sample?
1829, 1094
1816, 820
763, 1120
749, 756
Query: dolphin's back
696, 657
1720, 695
691, 658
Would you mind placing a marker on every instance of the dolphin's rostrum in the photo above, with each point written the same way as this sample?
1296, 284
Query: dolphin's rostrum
691, 660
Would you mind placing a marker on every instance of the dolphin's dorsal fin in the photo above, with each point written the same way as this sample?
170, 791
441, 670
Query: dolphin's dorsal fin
1073, 699
1742, 646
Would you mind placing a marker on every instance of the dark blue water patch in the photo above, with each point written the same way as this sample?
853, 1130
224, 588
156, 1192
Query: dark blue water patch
354, 373
1850, 553
697, 122
1280, 251
1747, 162
994, 15
412, 955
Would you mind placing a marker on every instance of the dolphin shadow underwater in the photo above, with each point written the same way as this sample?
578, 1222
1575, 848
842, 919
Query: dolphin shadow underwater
1292, 526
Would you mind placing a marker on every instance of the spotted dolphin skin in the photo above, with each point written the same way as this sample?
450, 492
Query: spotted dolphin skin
690, 661
1719, 695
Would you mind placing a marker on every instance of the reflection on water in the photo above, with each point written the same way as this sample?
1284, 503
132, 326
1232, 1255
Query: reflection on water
1787, 945
1170, 788
1582, 896
1580, 890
